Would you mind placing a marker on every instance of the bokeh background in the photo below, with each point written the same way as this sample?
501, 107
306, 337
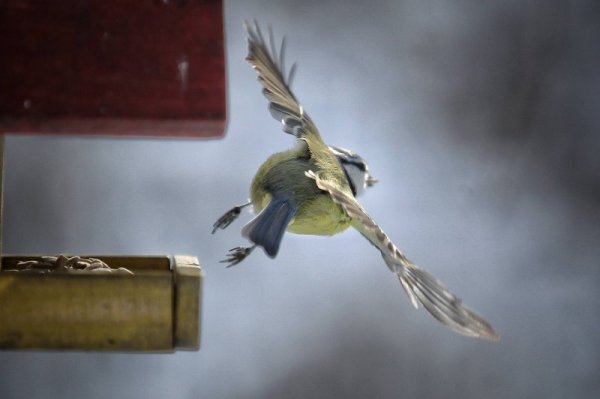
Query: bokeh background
481, 120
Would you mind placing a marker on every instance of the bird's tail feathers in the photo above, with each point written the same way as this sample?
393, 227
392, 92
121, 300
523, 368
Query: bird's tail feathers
267, 228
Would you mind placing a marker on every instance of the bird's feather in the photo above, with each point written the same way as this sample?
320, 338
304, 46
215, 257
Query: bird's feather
420, 286
267, 228
276, 86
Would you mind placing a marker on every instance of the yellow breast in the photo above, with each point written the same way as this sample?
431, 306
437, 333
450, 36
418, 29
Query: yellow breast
320, 217
317, 213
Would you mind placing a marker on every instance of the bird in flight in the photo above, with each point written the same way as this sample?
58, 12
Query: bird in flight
312, 189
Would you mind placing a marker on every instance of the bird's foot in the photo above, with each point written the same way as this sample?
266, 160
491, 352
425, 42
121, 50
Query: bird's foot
237, 254
228, 218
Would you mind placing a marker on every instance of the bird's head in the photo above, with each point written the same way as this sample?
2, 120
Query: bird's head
355, 168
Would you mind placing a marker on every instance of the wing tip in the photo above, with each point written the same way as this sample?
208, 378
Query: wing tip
444, 306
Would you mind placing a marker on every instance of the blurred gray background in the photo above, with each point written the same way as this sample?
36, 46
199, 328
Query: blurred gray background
481, 120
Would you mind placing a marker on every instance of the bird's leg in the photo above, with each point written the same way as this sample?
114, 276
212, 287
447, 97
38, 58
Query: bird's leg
228, 217
237, 254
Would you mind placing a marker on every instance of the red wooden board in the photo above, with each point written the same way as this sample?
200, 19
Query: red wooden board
119, 67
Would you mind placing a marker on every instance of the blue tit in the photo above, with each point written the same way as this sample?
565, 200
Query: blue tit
312, 189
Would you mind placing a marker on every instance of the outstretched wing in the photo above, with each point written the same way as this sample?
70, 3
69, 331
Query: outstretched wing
269, 64
420, 286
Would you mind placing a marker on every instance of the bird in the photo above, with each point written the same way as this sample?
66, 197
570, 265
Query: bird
313, 187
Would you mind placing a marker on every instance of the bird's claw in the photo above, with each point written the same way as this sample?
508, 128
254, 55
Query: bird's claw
237, 254
227, 218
